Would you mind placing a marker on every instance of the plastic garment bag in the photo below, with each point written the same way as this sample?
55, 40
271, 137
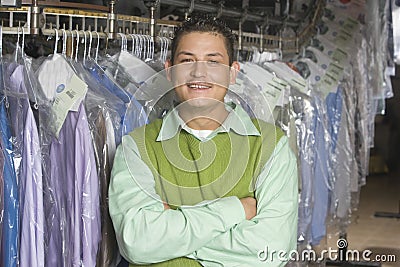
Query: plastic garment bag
359, 101
108, 252
131, 63
99, 96
322, 172
9, 244
72, 187
105, 106
143, 84
75, 226
135, 67
345, 167
138, 118
29, 170
104, 121
269, 85
325, 175
1, 192
304, 113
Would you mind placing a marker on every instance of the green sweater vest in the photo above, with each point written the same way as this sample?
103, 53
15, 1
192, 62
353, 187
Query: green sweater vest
188, 171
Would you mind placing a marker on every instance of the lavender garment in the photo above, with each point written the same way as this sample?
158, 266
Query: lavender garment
29, 173
75, 232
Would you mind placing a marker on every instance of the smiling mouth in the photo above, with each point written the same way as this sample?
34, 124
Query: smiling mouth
199, 85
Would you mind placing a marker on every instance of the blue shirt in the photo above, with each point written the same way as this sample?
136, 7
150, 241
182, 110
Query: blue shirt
9, 249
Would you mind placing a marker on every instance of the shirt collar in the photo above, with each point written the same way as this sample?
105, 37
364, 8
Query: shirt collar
238, 121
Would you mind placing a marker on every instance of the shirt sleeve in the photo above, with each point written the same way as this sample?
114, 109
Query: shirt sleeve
270, 236
146, 233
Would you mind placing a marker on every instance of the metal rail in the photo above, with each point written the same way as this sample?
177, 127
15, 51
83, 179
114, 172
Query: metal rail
99, 21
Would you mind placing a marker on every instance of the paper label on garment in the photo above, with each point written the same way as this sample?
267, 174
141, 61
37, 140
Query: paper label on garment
351, 25
328, 84
335, 71
301, 85
273, 92
339, 55
343, 38
68, 100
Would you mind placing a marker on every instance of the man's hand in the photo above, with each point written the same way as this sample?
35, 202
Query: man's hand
166, 206
250, 207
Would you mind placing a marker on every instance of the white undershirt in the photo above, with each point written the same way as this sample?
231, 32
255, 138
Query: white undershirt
200, 134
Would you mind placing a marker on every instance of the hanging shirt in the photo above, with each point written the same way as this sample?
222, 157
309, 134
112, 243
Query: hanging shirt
108, 251
30, 170
75, 231
321, 184
9, 244
132, 114
306, 140
1, 193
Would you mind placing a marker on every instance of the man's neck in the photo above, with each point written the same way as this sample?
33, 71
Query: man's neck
209, 118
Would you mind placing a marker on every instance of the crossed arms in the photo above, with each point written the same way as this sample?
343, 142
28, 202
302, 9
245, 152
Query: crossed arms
216, 234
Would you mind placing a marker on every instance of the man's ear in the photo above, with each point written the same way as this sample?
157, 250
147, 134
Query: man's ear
167, 66
235, 68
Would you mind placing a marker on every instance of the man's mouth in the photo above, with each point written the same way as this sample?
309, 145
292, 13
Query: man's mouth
199, 85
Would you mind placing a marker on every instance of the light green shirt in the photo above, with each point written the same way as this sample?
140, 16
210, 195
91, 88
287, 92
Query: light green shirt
215, 233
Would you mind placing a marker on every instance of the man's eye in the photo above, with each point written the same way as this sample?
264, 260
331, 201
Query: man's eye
186, 60
212, 62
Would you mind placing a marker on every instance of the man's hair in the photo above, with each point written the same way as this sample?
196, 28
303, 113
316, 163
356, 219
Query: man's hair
208, 25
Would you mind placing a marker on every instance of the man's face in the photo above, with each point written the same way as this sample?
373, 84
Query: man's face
201, 72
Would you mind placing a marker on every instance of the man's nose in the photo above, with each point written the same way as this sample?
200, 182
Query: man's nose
198, 69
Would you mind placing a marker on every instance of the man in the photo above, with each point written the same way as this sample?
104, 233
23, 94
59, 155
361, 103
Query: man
206, 185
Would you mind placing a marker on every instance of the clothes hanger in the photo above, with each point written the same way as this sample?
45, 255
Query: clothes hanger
90, 44
122, 41
146, 50
145, 47
152, 46
64, 44
125, 42
162, 47
167, 43
133, 43
1, 41
140, 46
56, 42
72, 45
17, 45
137, 41
150, 50
77, 45
97, 47
4, 98
85, 48
31, 88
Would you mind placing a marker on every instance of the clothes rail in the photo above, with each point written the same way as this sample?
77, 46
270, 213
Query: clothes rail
108, 24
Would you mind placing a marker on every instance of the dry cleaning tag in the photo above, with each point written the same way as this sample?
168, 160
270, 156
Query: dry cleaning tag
68, 99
